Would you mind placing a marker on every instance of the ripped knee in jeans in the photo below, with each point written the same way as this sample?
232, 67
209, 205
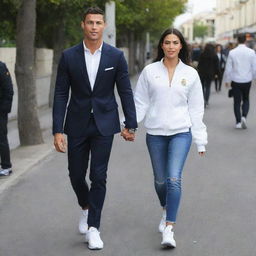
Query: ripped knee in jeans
174, 182
159, 182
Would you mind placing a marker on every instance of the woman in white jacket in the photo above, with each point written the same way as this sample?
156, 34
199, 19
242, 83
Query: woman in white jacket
169, 97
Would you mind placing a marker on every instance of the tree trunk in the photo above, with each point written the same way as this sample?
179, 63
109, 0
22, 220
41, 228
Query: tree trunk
132, 53
28, 122
142, 50
58, 47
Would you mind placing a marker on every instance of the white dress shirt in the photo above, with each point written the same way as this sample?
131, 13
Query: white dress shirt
241, 65
92, 62
171, 108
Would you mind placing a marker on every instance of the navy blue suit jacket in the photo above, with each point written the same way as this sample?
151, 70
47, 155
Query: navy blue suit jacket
72, 81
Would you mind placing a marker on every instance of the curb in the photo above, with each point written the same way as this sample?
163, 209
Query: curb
25, 158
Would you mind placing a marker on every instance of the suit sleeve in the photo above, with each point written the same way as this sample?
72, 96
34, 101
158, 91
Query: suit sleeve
61, 96
6, 89
125, 92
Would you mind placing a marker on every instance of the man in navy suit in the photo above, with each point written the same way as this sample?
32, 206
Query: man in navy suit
87, 75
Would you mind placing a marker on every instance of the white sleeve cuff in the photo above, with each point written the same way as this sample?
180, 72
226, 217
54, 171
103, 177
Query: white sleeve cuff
201, 148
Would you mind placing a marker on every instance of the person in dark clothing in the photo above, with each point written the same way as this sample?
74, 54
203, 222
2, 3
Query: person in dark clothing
208, 69
195, 55
222, 63
6, 95
228, 48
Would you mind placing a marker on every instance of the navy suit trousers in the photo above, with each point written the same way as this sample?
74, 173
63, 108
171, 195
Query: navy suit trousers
97, 148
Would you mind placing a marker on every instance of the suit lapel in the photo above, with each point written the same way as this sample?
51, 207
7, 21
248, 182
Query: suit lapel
102, 65
82, 64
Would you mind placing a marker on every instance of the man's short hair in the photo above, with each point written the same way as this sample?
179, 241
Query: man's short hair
93, 10
241, 38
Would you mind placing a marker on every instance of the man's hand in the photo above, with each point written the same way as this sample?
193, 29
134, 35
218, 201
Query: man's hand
60, 142
127, 135
227, 85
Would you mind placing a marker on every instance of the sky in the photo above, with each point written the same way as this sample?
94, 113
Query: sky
194, 7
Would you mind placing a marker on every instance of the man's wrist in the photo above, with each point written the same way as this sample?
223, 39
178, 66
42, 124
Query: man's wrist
132, 130
57, 134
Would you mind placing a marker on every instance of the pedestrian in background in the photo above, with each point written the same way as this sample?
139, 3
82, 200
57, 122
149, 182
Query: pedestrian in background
6, 95
195, 54
169, 97
228, 48
240, 71
222, 63
208, 69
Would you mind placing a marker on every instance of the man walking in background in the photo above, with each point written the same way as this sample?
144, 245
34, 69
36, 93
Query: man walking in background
90, 70
240, 71
6, 95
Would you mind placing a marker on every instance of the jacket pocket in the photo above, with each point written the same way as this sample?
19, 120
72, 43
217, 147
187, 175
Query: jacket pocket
110, 106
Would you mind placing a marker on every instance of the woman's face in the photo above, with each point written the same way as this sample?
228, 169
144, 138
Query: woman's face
171, 46
218, 48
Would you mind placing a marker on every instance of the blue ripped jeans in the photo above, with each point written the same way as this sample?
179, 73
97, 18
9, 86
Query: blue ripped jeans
168, 155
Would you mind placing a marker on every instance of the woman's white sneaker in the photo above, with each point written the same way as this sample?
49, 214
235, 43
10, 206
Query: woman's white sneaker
238, 126
83, 226
162, 223
168, 237
92, 237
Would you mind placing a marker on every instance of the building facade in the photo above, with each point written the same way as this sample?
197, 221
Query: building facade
234, 17
204, 18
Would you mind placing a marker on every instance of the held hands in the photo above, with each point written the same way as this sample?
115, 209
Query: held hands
60, 142
127, 135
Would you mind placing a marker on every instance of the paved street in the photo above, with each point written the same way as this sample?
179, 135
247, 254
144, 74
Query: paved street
38, 215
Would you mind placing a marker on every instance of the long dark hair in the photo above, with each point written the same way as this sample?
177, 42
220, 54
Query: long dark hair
184, 52
209, 51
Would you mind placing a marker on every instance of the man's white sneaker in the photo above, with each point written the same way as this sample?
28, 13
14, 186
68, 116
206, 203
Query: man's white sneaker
168, 237
243, 120
92, 237
83, 226
238, 126
162, 223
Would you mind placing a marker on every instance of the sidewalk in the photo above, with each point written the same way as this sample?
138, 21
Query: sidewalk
25, 157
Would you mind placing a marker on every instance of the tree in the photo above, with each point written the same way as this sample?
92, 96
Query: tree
7, 24
136, 17
199, 30
28, 123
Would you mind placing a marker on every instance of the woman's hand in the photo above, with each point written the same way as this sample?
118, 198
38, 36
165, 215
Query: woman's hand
201, 153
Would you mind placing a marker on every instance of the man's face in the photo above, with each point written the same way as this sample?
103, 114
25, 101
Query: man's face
93, 27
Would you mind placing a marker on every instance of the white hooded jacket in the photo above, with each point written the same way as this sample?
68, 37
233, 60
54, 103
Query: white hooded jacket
171, 108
